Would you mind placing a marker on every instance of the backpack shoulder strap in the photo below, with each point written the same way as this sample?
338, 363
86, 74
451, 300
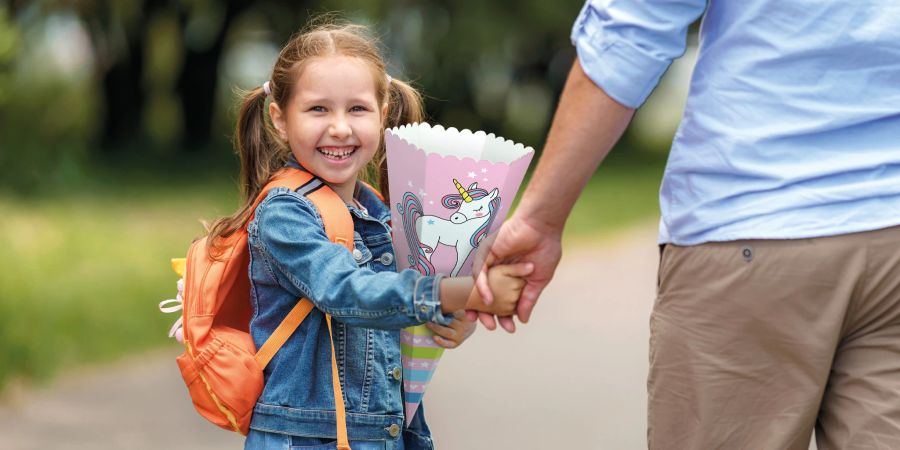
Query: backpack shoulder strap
339, 228
374, 191
335, 216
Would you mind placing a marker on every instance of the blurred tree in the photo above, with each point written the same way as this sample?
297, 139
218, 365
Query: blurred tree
46, 102
497, 65
205, 25
121, 34
164, 71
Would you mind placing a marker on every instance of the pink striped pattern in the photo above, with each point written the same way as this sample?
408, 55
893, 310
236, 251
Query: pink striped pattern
418, 341
414, 386
419, 364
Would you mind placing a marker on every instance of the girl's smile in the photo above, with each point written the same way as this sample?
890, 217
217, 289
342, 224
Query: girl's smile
337, 154
332, 122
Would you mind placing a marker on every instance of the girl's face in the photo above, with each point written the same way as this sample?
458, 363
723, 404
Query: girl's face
333, 121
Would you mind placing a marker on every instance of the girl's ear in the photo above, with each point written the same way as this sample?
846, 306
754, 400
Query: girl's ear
384, 113
278, 120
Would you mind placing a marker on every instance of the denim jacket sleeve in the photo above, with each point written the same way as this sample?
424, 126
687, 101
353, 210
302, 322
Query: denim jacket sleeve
291, 237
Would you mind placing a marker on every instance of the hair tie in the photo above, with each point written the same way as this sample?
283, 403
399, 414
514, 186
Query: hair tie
389, 79
267, 88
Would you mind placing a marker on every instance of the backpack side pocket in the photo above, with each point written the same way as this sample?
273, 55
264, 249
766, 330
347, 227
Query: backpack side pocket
224, 383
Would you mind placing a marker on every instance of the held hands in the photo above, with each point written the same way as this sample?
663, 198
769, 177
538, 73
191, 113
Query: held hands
521, 240
506, 283
453, 335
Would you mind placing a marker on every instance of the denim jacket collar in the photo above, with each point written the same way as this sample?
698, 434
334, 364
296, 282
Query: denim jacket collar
375, 209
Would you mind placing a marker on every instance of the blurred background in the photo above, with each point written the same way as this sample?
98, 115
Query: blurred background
115, 141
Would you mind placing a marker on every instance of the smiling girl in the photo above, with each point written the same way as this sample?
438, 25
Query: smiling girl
330, 102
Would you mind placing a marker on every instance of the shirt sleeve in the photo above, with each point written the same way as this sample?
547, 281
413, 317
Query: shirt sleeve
624, 46
309, 265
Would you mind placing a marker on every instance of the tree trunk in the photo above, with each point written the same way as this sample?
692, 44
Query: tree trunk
199, 80
122, 77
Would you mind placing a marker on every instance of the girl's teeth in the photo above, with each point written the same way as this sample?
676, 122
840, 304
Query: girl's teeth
338, 155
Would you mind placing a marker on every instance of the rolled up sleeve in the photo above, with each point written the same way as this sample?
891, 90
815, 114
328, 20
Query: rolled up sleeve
625, 46
427, 300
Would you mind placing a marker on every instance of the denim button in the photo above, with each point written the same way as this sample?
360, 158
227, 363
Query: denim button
423, 308
397, 373
386, 259
394, 430
357, 255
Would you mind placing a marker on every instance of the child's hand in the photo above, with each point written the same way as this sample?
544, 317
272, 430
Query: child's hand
453, 335
506, 282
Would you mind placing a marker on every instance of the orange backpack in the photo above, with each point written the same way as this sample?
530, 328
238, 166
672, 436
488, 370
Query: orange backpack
221, 366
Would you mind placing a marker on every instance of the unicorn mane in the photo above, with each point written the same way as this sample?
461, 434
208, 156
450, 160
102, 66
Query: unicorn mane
453, 201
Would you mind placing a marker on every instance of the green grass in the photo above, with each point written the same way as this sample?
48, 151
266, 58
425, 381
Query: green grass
82, 272
619, 195
624, 192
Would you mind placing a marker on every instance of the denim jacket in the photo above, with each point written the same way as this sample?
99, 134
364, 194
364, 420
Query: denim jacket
291, 257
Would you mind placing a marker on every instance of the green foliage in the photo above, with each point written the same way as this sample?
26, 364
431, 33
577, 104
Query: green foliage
45, 117
81, 273
622, 193
10, 41
44, 135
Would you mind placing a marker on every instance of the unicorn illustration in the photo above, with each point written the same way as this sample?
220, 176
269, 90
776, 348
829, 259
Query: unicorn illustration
475, 211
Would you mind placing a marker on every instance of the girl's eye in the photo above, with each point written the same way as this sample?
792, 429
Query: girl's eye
317, 109
358, 108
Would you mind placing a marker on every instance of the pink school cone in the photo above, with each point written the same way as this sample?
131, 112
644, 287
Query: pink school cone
445, 186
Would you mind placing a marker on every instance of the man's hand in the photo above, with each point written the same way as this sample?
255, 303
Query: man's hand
518, 241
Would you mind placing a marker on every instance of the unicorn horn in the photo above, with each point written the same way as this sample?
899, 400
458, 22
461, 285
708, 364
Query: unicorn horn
462, 191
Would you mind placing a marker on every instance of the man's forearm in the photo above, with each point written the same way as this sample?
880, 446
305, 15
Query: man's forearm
586, 126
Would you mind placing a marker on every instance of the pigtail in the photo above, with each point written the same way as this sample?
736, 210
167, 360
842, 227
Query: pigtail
404, 106
260, 154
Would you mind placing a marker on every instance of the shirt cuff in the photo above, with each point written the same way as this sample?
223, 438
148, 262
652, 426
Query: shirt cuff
427, 300
624, 70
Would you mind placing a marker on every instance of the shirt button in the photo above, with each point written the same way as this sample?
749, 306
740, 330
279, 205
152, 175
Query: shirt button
423, 309
394, 430
397, 373
357, 255
387, 259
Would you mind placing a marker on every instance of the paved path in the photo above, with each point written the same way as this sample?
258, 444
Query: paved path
574, 375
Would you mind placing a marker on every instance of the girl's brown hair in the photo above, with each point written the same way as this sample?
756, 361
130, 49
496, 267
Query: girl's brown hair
262, 152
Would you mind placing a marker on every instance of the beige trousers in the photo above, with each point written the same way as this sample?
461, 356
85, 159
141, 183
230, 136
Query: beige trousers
754, 343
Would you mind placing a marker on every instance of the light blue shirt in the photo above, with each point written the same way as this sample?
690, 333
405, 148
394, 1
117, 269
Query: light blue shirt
792, 123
